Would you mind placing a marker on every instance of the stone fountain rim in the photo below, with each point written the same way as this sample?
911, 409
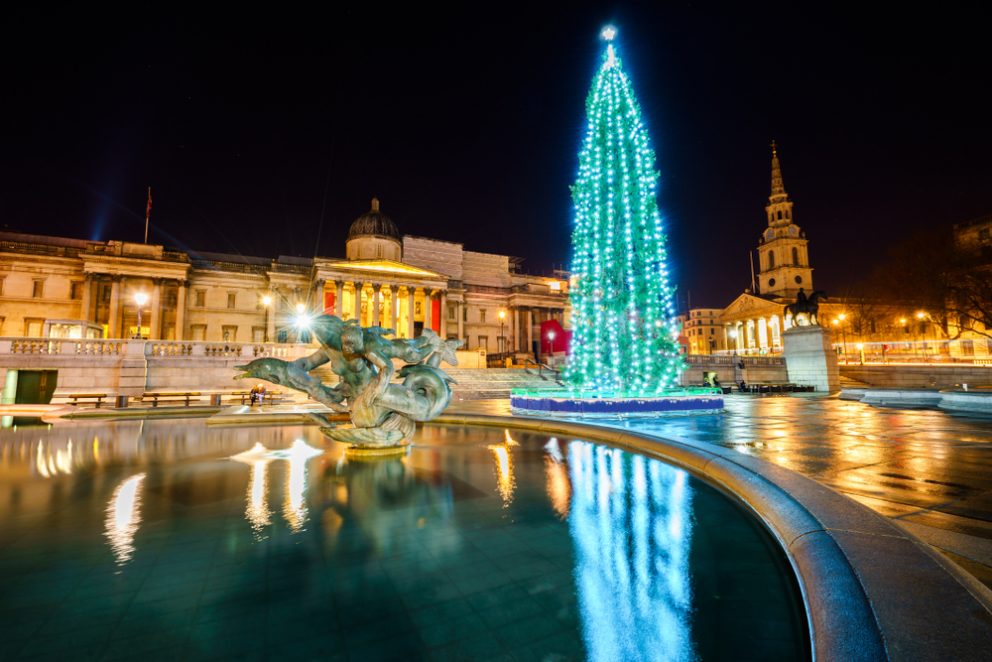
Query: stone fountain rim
871, 590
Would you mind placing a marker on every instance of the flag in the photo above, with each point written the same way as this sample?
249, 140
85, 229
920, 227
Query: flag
148, 208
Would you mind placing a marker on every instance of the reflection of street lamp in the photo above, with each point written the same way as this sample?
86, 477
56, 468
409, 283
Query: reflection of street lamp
141, 299
266, 302
861, 351
502, 339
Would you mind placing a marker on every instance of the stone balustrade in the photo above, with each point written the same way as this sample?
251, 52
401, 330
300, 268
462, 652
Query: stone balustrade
729, 360
149, 348
62, 346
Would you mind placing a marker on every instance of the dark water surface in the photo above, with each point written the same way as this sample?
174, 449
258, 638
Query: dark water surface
176, 540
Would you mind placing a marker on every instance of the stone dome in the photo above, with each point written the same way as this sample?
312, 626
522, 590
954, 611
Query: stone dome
374, 223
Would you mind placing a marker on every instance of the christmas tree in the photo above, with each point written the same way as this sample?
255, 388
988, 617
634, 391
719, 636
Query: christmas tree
623, 317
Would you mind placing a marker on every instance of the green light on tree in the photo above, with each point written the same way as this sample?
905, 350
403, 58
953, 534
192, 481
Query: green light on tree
623, 317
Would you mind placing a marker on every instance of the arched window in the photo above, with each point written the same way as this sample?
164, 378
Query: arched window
771, 259
795, 255
780, 214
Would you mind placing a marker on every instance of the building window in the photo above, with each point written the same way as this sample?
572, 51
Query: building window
452, 311
171, 298
201, 298
38, 289
76, 290
258, 334
465, 319
484, 342
771, 282
799, 280
198, 331
232, 300
33, 326
229, 333
795, 255
771, 259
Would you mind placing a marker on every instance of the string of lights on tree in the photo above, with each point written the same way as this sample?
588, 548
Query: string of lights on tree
623, 316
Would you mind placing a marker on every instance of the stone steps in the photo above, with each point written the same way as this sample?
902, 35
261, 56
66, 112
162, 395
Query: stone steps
494, 383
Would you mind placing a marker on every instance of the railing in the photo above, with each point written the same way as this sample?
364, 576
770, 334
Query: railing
541, 367
62, 347
730, 360
167, 349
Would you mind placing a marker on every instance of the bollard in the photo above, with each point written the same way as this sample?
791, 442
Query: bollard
215, 399
120, 401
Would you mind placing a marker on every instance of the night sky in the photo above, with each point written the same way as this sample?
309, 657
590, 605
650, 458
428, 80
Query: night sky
266, 134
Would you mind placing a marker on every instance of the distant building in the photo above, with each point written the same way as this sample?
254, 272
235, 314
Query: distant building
54, 286
702, 331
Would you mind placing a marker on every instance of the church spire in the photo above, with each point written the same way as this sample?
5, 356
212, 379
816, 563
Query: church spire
778, 188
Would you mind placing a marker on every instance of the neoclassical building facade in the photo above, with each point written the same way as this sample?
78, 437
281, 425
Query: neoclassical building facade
55, 286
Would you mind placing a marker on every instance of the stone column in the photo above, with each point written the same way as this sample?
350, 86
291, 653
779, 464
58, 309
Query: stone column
155, 316
86, 305
460, 312
318, 287
376, 287
530, 331
428, 308
339, 297
114, 318
410, 307
181, 311
358, 301
394, 308
514, 330
443, 312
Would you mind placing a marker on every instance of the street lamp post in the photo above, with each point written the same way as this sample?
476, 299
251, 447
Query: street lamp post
920, 316
733, 337
266, 302
140, 298
551, 338
843, 333
861, 352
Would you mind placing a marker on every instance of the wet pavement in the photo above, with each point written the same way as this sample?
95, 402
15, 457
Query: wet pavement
928, 471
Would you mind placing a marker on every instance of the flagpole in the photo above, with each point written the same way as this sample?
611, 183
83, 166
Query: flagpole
148, 212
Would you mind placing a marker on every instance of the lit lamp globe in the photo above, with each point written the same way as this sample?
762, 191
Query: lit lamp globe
141, 299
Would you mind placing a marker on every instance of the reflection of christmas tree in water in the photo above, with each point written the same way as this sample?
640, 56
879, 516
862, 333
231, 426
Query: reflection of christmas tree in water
622, 309
630, 520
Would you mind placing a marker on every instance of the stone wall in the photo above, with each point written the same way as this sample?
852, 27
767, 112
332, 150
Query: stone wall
134, 367
919, 375
757, 370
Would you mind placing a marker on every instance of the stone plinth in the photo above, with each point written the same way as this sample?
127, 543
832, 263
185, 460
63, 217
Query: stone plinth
809, 358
